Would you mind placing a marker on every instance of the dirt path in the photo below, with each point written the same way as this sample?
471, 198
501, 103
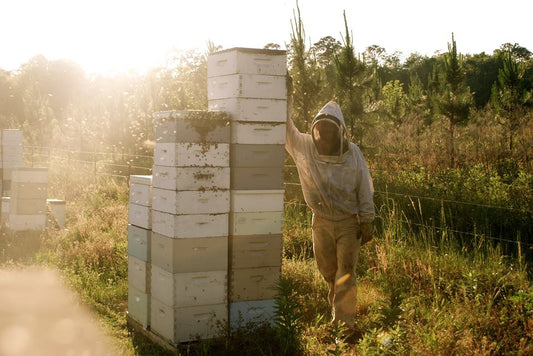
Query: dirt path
40, 316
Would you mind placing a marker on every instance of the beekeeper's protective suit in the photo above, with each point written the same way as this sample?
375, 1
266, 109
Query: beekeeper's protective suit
338, 188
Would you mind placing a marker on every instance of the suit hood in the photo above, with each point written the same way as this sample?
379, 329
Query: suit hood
332, 113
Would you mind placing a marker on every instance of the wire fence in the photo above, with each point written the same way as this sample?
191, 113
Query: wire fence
122, 165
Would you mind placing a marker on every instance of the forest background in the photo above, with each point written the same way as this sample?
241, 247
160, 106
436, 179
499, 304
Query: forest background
453, 131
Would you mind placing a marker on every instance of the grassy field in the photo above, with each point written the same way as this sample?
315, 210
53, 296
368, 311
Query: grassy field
419, 292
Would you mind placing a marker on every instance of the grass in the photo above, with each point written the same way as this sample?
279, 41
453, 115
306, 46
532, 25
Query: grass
419, 291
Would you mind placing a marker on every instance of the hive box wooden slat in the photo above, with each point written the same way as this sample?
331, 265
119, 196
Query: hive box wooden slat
188, 323
28, 206
30, 175
191, 178
141, 189
11, 136
187, 289
140, 215
253, 311
256, 223
139, 242
5, 210
189, 255
58, 210
265, 133
247, 61
191, 154
253, 283
254, 110
139, 274
19, 222
139, 306
24, 190
190, 126
246, 86
191, 201
257, 155
256, 250
257, 200
189, 226
257, 178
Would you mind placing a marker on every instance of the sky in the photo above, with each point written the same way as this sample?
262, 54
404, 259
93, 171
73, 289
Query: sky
111, 36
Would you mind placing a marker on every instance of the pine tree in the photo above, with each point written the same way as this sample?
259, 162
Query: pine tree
510, 98
353, 81
451, 95
304, 76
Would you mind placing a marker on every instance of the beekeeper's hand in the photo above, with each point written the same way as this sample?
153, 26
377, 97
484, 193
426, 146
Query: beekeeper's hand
366, 232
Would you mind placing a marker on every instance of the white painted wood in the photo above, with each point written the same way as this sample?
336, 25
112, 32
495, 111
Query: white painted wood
191, 178
256, 200
256, 223
246, 86
191, 154
255, 110
190, 226
185, 324
249, 61
191, 201
139, 215
190, 288
258, 133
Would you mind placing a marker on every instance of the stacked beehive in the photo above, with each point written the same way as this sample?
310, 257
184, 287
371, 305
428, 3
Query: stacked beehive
139, 241
190, 214
11, 158
27, 204
250, 84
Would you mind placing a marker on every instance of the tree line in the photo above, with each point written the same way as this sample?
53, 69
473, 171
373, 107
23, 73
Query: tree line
444, 111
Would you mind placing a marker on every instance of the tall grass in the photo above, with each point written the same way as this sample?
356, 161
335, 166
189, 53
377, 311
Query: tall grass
420, 290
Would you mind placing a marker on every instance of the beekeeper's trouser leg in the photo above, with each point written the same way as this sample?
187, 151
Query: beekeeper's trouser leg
336, 245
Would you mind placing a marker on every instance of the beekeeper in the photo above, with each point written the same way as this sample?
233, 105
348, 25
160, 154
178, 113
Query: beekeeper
338, 189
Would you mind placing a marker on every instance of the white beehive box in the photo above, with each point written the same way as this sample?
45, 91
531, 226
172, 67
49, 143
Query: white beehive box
257, 155
253, 311
248, 61
191, 154
23, 190
186, 324
139, 242
11, 137
4, 210
256, 223
256, 178
256, 251
28, 206
192, 126
139, 273
140, 215
19, 222
30, 175
191, 201
266, 133
139, 306
191, 178
256, 86
189, 226
190, 288
141, 189
58, 210
255, 110
256, 200
254, 283
189, 255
